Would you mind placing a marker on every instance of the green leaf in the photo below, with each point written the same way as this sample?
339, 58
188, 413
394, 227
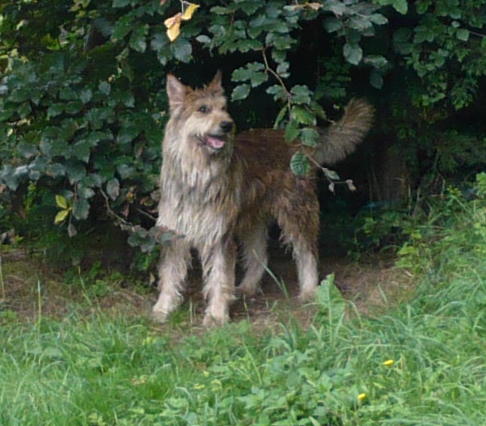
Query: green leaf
104, 88
181, 49
301, 94
60, 216
303, 116
331, 174
113, 188
462, 34
291, 131
309, 136
54, 110
71, 230
127, 134
204, 39
280, 117
278, 92
125, 171
81, 209
75, 171
353, 53
121, 3
299, 164
85, 191
251, 71
401, 6
81, 150
376, 61
376, 79
122, 27
67, 94
378, 19
73, 107
240, 92
332, 25
159, 41
55, 170
137, 39
401, 41
61, 202
27, 150
85, 95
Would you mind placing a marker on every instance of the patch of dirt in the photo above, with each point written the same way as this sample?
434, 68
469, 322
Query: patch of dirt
30, 289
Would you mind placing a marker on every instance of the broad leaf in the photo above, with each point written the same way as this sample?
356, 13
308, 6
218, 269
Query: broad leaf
299, 164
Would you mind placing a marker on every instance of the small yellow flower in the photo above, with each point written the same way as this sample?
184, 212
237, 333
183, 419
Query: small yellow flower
199, 386
389, 363
362, 396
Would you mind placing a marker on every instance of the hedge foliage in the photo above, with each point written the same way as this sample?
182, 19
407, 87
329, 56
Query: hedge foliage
82, 100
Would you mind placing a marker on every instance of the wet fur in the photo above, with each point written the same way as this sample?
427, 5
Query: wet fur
214, 197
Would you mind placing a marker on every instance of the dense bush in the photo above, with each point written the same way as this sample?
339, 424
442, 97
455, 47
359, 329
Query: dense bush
82, 102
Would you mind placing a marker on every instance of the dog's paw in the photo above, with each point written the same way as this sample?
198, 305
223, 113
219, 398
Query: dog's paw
245, 290
159, 316
308, 295
215, 321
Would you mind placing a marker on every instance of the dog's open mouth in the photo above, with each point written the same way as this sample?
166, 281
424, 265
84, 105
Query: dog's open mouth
215, 142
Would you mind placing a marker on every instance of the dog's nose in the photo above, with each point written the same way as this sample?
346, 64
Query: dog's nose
226, 126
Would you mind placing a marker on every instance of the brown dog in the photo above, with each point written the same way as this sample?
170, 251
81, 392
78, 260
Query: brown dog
216, 188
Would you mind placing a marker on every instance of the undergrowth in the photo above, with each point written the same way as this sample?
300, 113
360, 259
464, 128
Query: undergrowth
420, 363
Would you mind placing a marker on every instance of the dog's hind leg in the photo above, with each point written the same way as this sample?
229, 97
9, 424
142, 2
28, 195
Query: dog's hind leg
254, 245
218, 264
172, 274
297, 215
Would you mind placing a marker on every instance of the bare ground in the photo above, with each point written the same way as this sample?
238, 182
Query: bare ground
29, 289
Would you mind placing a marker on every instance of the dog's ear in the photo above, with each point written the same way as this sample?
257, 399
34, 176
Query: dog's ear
215, 84
176, 92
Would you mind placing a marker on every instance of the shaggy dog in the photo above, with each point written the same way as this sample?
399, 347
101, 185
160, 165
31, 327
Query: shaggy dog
217, 188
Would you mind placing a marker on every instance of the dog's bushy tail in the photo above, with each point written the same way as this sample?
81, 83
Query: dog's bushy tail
341, 138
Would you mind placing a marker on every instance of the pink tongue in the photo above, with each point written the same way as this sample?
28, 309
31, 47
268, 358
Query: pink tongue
215, 142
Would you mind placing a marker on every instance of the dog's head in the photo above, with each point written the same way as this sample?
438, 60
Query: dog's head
199, 116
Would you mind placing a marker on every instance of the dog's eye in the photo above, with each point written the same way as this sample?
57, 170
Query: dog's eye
204, 109
223, 108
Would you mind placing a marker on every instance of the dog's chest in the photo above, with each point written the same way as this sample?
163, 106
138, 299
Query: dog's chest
203, 217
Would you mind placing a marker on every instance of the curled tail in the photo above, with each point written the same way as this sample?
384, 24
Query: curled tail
342, 137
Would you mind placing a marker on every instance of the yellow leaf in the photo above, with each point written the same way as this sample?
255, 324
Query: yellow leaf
173, 25
60, 216
190, 9
61, 202
174, 31
173, 20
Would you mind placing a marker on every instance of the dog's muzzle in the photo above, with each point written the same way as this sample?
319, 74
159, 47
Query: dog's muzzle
217, 141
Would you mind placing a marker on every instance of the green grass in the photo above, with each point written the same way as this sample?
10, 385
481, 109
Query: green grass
110, 369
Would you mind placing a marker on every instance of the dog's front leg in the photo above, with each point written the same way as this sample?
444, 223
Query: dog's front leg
218, 264
172, 273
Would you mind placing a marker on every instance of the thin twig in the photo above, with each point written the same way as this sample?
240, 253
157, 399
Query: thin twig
277, 76
327, 171
111, 212
146, 214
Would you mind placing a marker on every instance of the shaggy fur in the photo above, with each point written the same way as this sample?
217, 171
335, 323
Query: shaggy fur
217, 188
